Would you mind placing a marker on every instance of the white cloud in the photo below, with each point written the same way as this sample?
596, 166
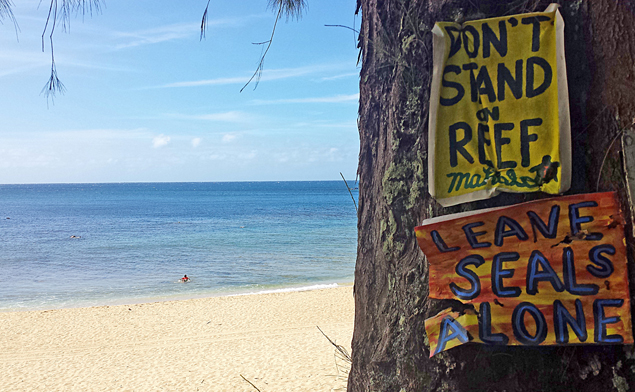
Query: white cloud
209, 82
332, 99
247, 155
228, 137
340, 76
101, 134
232, 116
160, 141
267, 74
157, 35
177, 31
196, 142
22, 69
352, 125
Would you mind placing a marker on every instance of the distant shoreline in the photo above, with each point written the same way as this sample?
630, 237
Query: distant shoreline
185, 297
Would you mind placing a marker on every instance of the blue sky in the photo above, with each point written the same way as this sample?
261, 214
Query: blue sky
146, 100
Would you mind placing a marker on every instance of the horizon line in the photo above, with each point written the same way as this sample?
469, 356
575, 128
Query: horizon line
162, 182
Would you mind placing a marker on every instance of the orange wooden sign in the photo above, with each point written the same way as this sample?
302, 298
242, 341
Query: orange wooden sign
548, 272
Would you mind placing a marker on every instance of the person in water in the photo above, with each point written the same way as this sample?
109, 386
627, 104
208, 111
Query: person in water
185, 279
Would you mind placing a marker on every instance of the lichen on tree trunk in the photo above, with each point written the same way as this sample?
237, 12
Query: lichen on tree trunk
390, 351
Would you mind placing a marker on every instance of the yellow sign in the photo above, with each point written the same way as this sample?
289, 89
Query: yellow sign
499, 108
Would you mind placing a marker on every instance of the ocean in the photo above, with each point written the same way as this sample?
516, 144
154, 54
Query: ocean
76, 245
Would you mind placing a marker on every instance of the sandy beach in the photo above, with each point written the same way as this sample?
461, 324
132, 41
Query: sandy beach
203, 344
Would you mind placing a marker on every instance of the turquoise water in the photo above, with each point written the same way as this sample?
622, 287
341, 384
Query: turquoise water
135, 240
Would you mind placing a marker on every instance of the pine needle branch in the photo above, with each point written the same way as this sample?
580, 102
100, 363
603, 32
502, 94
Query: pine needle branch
340, 349
250, 383
62, 14
291, 8
345, 27
349, 191
6, 12
204, 21
258, 73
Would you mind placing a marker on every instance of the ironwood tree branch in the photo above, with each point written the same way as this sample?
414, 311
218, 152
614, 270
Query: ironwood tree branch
61, 13
291, 8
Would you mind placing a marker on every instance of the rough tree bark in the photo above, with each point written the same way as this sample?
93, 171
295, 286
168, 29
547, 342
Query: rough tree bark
390, 351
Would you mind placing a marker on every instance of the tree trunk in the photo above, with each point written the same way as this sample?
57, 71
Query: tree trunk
390, 350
